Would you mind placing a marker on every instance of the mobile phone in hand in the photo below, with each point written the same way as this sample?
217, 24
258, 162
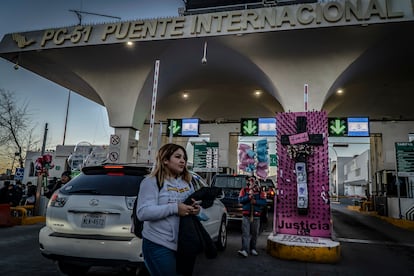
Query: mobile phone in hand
197, 202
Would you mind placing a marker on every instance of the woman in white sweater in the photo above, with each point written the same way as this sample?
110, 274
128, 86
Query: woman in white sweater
160, 207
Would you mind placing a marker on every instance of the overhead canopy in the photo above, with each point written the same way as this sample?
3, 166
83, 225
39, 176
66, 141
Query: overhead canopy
372, 63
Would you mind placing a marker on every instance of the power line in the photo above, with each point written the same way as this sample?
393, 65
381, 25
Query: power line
79, 14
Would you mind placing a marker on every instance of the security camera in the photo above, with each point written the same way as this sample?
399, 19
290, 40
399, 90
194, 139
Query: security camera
16, 66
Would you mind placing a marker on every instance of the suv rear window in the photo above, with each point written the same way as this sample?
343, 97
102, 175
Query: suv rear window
267, 183
122, 185
118, 181
230, 181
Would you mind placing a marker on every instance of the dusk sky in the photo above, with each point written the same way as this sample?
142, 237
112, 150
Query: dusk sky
87, 121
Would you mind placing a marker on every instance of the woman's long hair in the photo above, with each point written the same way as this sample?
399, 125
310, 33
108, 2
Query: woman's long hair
161, 171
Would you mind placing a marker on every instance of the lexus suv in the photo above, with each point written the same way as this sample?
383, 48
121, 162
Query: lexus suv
88, 221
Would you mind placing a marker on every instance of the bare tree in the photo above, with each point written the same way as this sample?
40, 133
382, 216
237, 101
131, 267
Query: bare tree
16, 135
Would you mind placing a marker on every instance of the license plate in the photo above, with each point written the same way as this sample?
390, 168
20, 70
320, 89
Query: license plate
93, 221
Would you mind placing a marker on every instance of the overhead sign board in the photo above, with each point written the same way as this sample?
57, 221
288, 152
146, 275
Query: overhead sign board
258, 127
337, 126
174, 127
188, 127
267, 127
358, 126
206, 156
249, 126
405, 158
350, 127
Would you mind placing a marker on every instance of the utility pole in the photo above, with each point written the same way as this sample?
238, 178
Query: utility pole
66, 120
40, 178
44, 140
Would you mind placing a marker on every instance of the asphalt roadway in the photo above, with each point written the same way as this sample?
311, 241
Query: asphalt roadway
369, 246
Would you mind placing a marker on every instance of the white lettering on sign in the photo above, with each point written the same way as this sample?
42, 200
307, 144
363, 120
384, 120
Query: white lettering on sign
295, 240
347, 12
301, 239
298, 138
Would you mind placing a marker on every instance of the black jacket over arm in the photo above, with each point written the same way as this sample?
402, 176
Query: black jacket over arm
193, 237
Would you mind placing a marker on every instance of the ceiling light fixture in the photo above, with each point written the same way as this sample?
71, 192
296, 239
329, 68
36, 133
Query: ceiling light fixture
257, 92
339, 91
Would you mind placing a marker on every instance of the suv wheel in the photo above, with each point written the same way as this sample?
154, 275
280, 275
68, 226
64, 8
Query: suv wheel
72, 269
222, 236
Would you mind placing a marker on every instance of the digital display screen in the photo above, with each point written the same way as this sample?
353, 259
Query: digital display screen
190, 127
358, 126
267, 127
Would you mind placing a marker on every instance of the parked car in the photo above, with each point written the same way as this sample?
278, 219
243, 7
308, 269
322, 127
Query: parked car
88, 221
231, 185
269, 187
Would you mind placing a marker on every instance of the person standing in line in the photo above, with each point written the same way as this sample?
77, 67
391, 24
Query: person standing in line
160, 207
253, 201
64, 178
9, 194
30, 194
4, 193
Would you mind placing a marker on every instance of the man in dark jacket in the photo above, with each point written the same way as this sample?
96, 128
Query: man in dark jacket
253, 201
65, 178
9, 194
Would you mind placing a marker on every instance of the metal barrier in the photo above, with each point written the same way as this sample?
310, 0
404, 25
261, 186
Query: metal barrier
5, 217
23, 215
367, 206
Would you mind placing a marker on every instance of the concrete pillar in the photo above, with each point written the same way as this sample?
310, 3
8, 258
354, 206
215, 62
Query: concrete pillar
128, 144
233, 150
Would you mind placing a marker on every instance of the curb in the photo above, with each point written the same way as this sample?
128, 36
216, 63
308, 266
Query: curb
33, 220
28, 220
401, 223
303, 248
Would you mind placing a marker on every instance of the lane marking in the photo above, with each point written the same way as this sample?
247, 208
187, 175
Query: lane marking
374, 242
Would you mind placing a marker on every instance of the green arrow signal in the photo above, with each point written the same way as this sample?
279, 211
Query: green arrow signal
337, 127
175, 127
250, 127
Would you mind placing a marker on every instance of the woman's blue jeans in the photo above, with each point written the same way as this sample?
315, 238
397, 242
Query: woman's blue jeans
159, 260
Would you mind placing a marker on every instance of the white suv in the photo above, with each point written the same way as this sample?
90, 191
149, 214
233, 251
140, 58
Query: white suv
88, 221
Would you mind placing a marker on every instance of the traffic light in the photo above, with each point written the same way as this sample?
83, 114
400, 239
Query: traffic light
174, 126
337, 126
186, 127
249, 127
